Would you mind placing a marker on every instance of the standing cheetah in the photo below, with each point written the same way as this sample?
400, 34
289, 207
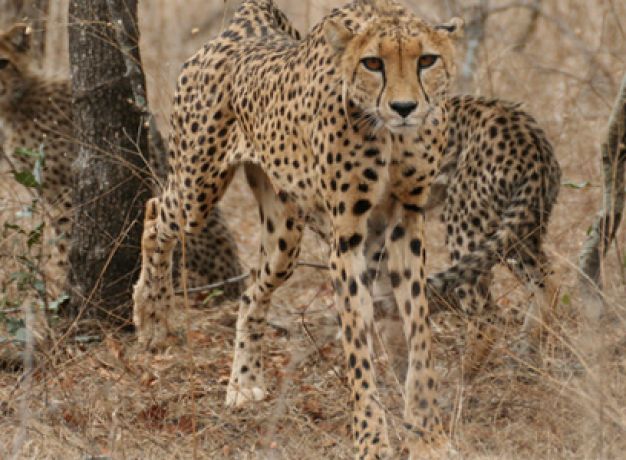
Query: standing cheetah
35, 114
346, 123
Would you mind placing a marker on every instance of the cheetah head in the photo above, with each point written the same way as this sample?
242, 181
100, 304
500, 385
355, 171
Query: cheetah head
396, 68
14, 47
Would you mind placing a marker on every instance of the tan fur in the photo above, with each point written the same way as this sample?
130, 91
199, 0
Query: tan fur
35, 114
501, 182
328, 141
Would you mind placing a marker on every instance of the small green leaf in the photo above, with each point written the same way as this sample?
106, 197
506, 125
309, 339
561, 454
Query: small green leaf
213, 294
26, 178
20, 334
17, 228
25, 213
576, 185
28, 153
566, 299
13, 325
54, 305
40, 287
23, 280
34, 236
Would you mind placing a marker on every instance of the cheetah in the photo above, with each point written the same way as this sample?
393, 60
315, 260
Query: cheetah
347, 123
500, 180
35, 114
504, 184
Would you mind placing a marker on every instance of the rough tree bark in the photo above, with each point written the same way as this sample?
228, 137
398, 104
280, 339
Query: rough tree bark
112, 142
607, 222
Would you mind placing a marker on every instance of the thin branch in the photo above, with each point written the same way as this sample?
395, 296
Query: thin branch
243, 276
530, 28
216, 285
607, 222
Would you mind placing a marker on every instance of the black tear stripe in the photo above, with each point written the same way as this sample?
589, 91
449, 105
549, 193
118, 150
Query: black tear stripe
380, 95
419, 79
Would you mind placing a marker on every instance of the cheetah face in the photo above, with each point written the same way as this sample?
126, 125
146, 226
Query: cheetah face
396, 70
13, 47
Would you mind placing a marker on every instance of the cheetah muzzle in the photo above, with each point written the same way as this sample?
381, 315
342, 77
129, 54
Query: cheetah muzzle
347, 123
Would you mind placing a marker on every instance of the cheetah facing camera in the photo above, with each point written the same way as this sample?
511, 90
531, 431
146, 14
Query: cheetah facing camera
347, 123
35, 114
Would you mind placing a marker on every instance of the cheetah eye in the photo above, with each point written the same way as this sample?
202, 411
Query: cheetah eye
3, 63
373, 64
426, 60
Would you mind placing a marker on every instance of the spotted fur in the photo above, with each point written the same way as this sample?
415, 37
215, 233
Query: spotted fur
347, 123
504, 181
35, 114
500, 180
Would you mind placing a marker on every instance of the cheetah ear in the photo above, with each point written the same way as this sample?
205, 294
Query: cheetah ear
19, 36
337, 35
454, 28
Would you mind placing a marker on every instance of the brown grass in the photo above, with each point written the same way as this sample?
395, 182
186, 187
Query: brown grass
108, 398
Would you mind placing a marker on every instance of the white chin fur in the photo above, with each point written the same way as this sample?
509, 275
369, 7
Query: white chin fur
399, 128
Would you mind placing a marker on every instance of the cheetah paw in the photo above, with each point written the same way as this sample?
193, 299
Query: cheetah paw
238, 397
438, 451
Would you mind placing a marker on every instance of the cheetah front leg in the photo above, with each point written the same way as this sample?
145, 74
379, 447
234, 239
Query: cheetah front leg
280, 246
407, 256
350, 278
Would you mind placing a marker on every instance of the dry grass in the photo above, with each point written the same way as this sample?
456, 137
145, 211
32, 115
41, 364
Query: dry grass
110, 399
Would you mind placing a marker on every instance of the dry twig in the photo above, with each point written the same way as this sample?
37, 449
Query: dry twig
605, 226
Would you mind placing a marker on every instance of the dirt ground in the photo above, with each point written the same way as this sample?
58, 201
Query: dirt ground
108, 399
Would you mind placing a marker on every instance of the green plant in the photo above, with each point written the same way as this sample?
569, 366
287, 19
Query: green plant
26, 287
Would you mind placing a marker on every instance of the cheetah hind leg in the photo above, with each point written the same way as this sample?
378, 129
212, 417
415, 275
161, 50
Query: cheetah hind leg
153, 294
484, 325
533, 268
281, 233
539, 319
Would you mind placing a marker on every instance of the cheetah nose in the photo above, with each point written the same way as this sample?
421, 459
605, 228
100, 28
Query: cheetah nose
403, 108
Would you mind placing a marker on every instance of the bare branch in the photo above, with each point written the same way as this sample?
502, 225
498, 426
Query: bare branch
243, 276
607, 222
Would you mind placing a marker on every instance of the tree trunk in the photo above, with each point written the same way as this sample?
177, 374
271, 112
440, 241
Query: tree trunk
607, 222
110, 183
